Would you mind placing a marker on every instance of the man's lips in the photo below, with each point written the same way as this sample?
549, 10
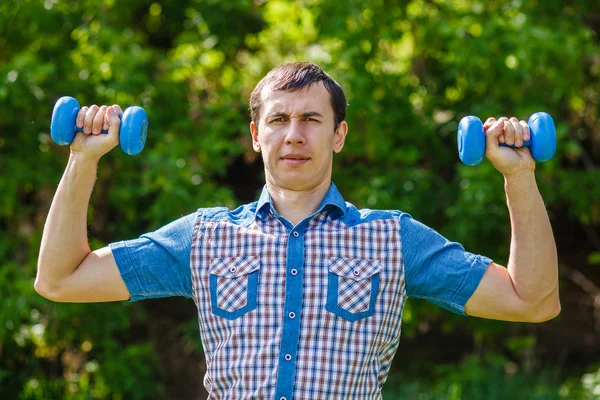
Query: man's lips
295, 159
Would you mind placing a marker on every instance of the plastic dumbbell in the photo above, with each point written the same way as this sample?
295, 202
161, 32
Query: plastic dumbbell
133, 129
471, 138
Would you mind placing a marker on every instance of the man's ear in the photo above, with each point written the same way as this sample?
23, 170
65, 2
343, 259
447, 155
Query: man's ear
339, 137
254, 133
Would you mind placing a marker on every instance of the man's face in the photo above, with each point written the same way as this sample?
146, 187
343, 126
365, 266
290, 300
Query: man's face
295, 134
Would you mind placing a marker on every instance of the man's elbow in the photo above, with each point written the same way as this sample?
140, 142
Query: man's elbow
545, 311
46, 289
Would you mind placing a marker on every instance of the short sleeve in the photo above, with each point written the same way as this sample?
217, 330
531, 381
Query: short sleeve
157, 264
437, 269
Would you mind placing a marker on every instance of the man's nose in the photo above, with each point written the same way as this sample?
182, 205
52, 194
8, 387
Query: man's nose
295, 132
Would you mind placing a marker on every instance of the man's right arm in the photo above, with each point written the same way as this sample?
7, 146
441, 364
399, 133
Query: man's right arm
68, 271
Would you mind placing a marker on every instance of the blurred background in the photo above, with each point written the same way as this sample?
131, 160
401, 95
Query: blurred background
411, 70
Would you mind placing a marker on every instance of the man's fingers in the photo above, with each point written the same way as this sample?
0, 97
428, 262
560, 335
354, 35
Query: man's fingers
488, 123
89, 119
81, 116
496, 129
526, 132
118, 110
98, 122
509, 132
518, 130
114, 123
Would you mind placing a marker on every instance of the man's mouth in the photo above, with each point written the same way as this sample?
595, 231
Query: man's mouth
295, 160
295, 157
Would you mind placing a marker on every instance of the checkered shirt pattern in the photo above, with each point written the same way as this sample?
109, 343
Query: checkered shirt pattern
305, 312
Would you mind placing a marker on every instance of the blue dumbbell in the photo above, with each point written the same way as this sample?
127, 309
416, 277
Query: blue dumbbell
133, 129
471, 138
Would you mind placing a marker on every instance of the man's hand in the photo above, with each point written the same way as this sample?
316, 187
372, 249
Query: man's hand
91, 143
508, 161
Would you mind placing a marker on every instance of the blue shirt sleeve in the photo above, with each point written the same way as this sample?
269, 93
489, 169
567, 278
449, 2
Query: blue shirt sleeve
437, 269
157, 264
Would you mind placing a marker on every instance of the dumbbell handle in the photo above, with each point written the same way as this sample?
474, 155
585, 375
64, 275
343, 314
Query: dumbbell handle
78, 129
512, 146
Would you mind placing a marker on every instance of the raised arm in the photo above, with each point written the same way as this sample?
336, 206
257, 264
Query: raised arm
68, 270
527, 289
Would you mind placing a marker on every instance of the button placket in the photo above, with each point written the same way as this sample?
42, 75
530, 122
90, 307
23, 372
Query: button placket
292, 309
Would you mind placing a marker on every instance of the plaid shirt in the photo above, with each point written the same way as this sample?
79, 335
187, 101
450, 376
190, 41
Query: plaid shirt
311, 311
305, 312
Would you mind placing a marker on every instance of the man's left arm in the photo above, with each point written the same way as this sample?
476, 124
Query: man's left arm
527, 289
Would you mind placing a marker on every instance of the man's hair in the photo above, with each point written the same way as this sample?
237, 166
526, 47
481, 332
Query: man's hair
296, 76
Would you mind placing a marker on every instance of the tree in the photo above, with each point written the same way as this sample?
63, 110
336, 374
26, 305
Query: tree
411, 70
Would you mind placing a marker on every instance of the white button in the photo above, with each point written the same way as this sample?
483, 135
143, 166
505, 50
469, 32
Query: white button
296, 234
292, 315
294, 272
356, 272
282, 398
288, 357
232, 269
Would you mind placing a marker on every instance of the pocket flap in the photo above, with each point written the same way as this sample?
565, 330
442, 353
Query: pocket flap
354, 268
232, 267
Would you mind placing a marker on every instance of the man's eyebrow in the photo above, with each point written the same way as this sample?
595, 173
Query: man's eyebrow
277, 114
311, 114
286, 115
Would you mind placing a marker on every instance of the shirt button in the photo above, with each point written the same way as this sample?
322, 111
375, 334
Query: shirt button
288, 357
292, 315
296, 234
294, 272
356, 272
282, 398
232, 270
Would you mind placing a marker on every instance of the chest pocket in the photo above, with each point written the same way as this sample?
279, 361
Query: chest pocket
352, 287
233, 285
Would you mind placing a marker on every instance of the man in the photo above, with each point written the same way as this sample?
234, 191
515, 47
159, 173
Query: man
300, 294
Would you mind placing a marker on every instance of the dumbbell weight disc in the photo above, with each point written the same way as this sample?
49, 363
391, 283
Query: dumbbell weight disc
64, 115
543, 136
471, 141
133, 134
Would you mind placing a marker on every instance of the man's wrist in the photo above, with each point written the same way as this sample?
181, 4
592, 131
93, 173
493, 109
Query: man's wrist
520, 187
519, 177
83, 159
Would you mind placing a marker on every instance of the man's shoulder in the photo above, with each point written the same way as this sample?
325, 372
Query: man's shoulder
223, 213
356, 216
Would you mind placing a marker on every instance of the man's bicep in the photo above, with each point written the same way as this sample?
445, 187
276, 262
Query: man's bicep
496, 298
96, 279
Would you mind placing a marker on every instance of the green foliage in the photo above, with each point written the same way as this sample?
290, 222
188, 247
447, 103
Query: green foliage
490, 377
411, 70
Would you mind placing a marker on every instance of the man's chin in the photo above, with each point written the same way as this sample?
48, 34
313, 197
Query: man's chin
297, 184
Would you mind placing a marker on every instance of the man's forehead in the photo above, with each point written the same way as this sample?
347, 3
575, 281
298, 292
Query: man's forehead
313, 96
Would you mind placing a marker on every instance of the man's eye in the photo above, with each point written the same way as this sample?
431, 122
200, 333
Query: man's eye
279, 119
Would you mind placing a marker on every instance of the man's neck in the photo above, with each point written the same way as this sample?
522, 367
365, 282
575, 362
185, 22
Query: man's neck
295, 205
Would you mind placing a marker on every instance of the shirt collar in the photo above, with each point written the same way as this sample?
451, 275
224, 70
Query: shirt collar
333, 202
